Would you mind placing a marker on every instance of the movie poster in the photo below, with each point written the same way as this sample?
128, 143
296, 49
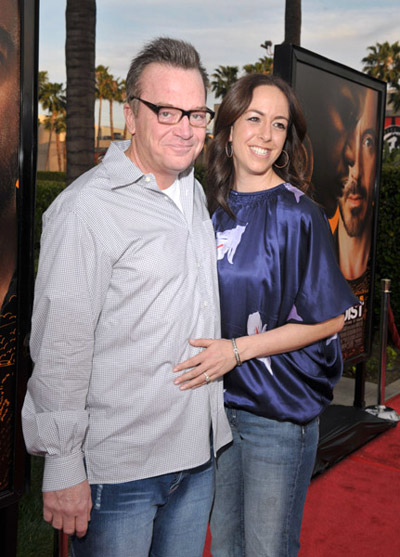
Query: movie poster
344, 113
343, 128
9, 173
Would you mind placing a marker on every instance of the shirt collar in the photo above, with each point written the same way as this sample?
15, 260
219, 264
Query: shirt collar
120, 169
123, 172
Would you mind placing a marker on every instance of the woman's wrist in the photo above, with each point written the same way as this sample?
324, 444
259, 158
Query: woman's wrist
252, 346
236, 352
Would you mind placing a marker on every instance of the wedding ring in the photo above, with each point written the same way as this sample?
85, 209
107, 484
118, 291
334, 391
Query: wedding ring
206, 376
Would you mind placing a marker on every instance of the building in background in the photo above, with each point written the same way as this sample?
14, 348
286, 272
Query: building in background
52, 150
392, 126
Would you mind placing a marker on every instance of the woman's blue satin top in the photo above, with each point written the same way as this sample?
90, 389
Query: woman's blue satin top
276, 265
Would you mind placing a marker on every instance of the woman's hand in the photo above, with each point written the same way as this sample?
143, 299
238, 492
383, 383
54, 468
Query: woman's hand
217, 359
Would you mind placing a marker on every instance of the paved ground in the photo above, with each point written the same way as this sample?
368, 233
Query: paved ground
344, 392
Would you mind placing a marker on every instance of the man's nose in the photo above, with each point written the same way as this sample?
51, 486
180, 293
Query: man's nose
184, 128
352, 153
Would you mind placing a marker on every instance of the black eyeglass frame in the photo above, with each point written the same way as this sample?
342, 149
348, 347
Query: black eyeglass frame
156, 109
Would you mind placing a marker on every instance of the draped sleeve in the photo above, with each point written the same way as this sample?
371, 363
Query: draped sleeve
309, 264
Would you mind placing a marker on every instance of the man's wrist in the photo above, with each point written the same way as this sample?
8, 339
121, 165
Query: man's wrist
61, 472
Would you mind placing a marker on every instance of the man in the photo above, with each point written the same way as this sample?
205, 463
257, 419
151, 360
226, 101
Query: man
9, 138
127, 275
356, 202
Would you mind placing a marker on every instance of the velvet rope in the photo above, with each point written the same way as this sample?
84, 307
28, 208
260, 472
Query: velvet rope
392, 328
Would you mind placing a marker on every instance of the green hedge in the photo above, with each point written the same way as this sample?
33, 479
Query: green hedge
51, 176
35, 536
388, 240
200, 171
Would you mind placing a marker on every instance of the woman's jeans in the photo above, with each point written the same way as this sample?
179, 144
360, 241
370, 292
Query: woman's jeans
165, 516
261, 486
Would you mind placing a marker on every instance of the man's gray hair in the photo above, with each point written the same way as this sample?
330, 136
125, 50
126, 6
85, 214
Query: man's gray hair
163, 50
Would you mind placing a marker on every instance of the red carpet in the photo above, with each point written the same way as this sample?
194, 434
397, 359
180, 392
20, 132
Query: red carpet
353, 509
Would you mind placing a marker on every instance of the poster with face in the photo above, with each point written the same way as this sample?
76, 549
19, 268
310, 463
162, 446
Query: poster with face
343, 127
18, 132
344, 114
9, 174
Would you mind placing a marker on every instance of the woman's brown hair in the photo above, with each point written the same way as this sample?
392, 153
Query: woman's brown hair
220, 172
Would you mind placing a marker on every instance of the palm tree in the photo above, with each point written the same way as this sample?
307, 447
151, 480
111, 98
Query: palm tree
383, 62
264, 65
292, 22
268, 47
43, 78
103, 88
58, 126
121, 99
224, 77
53, 100
114, 95
80, 62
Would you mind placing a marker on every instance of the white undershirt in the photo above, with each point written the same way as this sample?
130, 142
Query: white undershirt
174, 192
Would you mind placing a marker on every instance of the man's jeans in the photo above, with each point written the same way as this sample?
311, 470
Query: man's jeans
165, 516
261, 485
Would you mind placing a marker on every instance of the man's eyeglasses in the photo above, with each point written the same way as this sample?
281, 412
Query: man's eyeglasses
170, 115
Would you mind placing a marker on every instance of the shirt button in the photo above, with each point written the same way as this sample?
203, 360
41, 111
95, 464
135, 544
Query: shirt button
205, 304
147, 179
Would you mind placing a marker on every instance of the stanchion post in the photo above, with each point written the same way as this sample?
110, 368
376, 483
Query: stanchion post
385, 283
63, 544
380, 410
60, 544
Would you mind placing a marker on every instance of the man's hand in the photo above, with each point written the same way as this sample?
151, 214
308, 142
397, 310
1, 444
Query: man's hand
69, 509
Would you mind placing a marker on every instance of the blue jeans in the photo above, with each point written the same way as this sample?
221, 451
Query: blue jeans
261, 485
164, 516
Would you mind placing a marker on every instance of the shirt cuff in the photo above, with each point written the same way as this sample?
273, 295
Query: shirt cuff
61, 472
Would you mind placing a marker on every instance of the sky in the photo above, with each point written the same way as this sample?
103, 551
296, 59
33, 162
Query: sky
225, 32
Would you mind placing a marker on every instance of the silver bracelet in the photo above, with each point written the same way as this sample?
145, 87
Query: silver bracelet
236, 352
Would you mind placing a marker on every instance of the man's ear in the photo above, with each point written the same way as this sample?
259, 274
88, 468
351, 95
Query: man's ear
130, 119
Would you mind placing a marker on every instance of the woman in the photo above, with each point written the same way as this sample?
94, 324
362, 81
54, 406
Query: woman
282, 304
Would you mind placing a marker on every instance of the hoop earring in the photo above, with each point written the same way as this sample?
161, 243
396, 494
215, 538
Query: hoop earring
287, 160
229, 149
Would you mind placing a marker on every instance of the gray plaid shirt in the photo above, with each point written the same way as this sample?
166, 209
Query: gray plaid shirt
125, 279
